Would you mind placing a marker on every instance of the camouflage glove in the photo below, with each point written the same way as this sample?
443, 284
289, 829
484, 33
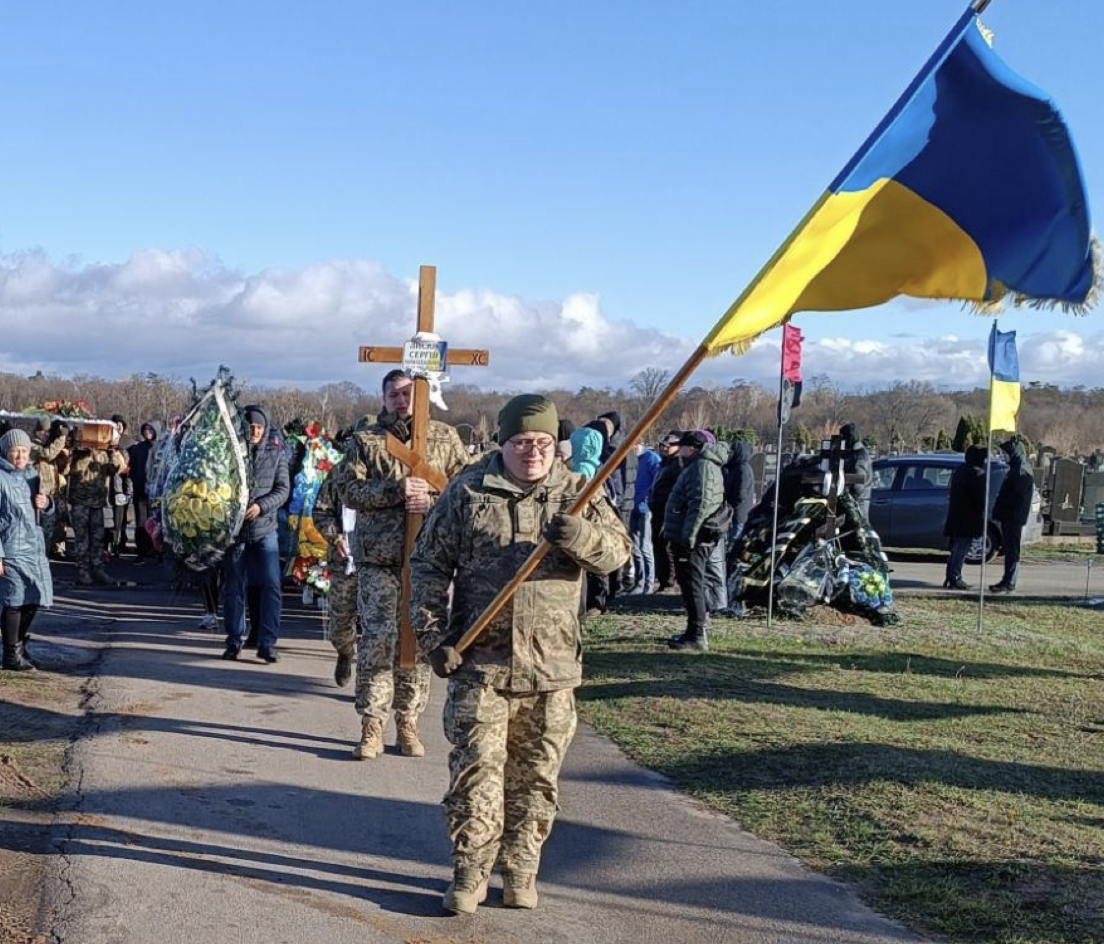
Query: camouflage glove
564, 530
444, 660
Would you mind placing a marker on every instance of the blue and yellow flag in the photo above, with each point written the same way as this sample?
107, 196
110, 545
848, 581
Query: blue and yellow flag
969, 189
1004, 388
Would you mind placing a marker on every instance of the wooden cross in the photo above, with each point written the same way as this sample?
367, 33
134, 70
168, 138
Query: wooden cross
414, 455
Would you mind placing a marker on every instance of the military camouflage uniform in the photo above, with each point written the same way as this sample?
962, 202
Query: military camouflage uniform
341, 603
372, 484
510, 712
90, 473
46, 455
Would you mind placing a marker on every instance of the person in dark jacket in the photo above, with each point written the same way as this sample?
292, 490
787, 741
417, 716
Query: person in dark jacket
254, 558
623, 580
563, 442
640, 523
627, 470
858, 465
739, 488
139, 455
667, 475
120, 495
965, 513
1011, 511
695, 501
600, 588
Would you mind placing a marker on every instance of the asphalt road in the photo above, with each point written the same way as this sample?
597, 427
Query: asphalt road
917, 574
216, 801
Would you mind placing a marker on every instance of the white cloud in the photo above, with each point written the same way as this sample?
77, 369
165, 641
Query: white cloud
181, 313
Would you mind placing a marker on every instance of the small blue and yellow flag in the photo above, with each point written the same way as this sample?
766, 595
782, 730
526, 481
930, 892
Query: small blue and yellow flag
1004, 388
969, 189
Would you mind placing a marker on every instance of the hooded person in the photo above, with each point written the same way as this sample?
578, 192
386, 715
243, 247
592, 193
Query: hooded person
1012, 510
858, 467
966, 502
625, 499
253, 561
600, 587
604, 428
586, 451
626, 471
563, 441
739, 487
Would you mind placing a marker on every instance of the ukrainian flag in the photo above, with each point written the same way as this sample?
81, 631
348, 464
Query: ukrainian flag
1004, 385
969, 189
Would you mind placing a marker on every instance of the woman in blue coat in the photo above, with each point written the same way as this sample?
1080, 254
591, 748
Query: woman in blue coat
25, 583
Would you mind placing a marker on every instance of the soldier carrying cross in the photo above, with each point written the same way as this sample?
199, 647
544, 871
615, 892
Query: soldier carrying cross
394, 471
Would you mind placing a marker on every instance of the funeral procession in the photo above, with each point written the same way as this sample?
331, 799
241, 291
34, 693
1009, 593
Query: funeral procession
553, 473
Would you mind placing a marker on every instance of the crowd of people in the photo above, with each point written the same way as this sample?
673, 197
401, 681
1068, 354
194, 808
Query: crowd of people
669, 515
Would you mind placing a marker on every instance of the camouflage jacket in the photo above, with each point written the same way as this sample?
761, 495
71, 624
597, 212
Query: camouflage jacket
372, 484
475, 539
45, 456
90, 475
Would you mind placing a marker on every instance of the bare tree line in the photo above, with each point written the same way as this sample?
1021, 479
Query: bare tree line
906, 415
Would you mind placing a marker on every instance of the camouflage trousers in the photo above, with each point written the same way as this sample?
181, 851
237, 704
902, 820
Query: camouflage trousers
341, 609
504, 770
380, 683
88, 537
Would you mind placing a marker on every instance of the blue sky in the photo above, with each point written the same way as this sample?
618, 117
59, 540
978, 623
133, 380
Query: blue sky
645, 157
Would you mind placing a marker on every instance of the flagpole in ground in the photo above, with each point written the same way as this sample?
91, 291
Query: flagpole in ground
777, 482
985, 505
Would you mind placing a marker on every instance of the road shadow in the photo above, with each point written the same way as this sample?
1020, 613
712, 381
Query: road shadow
277, 813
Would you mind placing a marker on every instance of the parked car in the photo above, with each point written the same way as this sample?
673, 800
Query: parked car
908, 504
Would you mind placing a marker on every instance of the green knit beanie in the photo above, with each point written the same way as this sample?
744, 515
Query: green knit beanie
528, 413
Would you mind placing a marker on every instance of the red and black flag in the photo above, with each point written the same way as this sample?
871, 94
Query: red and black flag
791, 372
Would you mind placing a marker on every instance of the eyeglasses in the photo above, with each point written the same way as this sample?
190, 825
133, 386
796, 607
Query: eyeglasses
527, 446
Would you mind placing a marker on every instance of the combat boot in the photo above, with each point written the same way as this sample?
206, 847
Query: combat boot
343, 671
519, 889
407, 738
101, 577
371, 739
467, 891
24, 651
84, 578
15, 662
